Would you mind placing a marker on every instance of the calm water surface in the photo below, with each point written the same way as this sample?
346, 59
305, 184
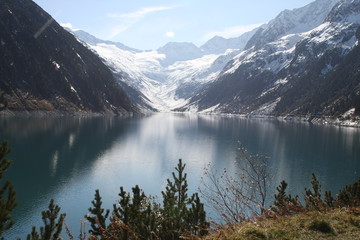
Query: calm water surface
68, 158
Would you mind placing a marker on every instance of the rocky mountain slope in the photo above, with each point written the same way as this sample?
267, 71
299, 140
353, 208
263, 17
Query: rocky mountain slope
166, 78
44, 68
273, 70
292, 22
293, 70
302, 63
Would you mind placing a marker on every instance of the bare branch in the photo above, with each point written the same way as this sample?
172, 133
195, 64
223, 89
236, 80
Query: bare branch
240, 196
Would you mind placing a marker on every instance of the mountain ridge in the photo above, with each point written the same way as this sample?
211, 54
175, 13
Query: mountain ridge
253, 79
44, 68
162, 78
292, 21
270, 71
279, 78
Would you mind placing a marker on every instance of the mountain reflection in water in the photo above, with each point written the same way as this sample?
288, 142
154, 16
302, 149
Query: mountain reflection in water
67, 158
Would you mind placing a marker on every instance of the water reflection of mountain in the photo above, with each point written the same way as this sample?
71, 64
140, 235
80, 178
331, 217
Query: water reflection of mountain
68, 158
296, 149
60, 147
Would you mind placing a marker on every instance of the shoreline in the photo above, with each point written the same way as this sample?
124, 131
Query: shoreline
57, 113
311, 119
319, 120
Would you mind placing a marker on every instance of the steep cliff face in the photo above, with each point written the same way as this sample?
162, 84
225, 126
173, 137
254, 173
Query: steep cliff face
299, 73
43, 67
301, 63
291, 22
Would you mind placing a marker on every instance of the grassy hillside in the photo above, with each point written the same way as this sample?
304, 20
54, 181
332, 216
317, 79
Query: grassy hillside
341, 223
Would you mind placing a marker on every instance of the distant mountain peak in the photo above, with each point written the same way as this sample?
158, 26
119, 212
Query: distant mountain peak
220, 76
179, 51
292, 21
219, 44
92, 40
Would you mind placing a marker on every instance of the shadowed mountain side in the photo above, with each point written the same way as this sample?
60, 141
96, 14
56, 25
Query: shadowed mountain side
43, 67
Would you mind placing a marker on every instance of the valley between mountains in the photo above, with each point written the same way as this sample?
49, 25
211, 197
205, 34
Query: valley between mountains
165, 79
303, 64
292, 66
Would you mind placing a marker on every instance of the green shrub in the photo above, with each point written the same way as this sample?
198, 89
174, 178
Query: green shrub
321, 226
350, 195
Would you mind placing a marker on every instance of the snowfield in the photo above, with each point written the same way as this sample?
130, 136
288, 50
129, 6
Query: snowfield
159, 82
168, 78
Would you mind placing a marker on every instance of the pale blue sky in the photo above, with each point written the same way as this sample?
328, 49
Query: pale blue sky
149, 24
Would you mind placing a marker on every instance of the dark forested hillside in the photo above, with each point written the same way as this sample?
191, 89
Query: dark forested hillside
43, 67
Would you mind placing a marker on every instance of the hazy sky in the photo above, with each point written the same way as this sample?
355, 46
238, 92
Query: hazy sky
149, 24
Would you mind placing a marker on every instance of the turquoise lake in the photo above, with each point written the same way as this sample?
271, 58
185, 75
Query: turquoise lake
67, 158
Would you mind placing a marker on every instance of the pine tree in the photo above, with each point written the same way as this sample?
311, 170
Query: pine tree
284, 203
280, 197
178, 218
175, 200
122, 211
53, 223
349, 195
197, 217
137, 215
98, 220
329, 200
142, 218
313, 196
7, 192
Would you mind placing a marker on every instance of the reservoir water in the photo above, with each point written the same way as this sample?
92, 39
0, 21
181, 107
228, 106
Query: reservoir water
67, 158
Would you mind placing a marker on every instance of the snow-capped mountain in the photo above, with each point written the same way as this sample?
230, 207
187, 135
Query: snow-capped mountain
284, 70
90, 39
277, 69
166, 78
291, 22
175, 51
218, 45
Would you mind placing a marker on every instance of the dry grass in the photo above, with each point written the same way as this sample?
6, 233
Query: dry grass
336, 224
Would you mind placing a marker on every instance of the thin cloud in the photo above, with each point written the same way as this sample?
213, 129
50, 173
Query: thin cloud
66, 25
234, 31
119, 29
130, 19
141, 12
170, 34
69, 26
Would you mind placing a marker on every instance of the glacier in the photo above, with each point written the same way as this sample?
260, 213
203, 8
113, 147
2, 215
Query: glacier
175, 76
167, 77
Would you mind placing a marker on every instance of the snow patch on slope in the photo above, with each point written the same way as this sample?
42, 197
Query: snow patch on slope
167, 76
145, 72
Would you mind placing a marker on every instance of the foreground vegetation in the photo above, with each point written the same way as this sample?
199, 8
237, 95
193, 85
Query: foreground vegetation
240, 200
134, 216
340, 223
318, 216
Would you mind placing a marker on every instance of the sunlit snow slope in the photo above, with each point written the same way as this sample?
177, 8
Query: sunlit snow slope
165, 82
264, 72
